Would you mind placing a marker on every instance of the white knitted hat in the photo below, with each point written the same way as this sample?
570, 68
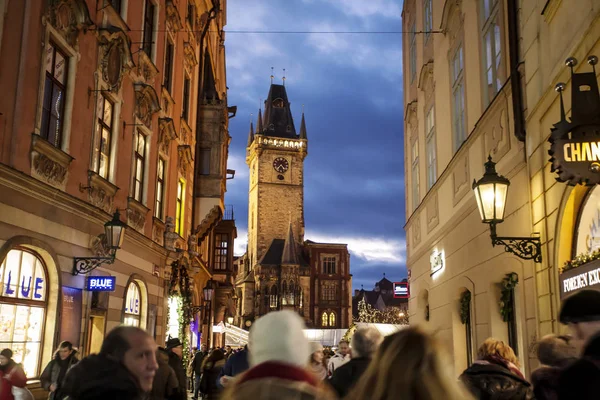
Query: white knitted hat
278, 336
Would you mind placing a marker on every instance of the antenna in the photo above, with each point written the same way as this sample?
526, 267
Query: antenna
283, 77
272, 76
302, 108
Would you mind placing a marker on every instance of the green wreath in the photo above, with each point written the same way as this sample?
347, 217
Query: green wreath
509, 283
465, 307
181, 278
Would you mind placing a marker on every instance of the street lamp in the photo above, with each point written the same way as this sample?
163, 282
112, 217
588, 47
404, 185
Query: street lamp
208, 292
490, 192
401, 314
230, 320
114, 233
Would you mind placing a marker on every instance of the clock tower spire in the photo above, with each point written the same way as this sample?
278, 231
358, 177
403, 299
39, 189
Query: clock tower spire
275, 157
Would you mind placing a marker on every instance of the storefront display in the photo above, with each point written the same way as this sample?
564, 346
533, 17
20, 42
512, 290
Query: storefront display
22, 307
132, 305
174, 311
70, 323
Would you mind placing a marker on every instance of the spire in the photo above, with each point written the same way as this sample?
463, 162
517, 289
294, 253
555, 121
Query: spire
259, 123
278, 121
290, 254
303, 128
251, 135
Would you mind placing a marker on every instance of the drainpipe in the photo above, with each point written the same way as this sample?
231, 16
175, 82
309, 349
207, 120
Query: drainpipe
515, 77
212, 14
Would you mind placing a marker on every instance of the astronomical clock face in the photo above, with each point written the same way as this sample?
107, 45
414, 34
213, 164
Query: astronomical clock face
280, 165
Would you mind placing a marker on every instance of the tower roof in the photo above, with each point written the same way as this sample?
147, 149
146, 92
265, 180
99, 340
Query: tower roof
290, 253
251, 135
303, 128
278, 121
259, 122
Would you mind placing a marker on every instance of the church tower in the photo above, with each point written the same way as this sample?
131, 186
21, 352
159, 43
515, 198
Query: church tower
275, 156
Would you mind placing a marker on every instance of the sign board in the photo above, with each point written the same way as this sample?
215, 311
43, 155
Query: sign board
70, 321
437, 261
101, 283
401, 290
586, 276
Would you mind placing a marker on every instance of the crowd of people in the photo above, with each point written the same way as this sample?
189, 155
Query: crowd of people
280, 363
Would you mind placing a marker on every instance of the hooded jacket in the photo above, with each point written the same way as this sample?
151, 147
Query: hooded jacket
495, 382
98, 377
51, 374
580, 380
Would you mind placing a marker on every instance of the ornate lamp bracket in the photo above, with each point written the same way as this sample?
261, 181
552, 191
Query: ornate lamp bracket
83, 265
527, 248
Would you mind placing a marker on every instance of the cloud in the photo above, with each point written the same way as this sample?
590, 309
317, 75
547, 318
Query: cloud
370, 249
366, 9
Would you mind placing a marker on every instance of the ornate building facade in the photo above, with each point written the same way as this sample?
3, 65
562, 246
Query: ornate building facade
109, 105
281, 270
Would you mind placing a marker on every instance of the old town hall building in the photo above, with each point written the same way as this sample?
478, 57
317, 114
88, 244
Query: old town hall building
280, 269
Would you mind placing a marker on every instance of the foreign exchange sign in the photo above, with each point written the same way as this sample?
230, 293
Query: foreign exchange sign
586, 276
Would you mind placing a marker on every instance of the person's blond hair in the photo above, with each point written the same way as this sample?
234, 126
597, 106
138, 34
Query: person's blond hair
409, 365
497, 348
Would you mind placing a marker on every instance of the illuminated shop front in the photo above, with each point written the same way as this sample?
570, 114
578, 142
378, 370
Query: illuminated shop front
173, 324
132, 305
23, 307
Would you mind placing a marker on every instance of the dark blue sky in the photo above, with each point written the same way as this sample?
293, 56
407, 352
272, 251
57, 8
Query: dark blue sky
351, 89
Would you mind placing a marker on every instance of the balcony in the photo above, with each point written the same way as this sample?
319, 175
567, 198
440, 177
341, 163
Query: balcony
228, 213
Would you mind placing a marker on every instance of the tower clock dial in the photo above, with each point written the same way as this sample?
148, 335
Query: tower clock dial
280, 165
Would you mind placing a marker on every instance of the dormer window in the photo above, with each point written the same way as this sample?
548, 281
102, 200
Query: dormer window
271, 127
278, 103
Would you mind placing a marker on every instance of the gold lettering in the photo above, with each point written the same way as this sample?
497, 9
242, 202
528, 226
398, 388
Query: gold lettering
576, 151
595, 151
586, 152
566, 152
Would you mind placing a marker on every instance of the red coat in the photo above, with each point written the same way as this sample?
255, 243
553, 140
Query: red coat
14, 375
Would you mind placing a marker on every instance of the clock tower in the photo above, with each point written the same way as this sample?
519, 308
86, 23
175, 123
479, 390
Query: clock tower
275, 156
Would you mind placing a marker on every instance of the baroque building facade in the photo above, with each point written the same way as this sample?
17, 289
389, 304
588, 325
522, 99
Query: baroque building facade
487, 70
112, 105
281, 270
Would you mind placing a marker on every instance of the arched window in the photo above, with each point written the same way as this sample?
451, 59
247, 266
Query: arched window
133, 305
23, 307
284, 291
332, 319
291, 291
273, 297
324, 319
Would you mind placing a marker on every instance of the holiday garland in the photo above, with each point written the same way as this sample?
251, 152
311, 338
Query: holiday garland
181, 279
465, 307
509, 283
391, 315
580, 260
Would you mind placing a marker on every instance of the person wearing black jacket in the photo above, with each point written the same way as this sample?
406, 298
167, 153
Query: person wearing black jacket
175, 352
197, 368
53, 377
364, 344
581, 311
211, 366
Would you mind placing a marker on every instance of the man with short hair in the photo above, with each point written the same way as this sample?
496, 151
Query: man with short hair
365, 342
581, 312
175, 352
341, 357
124, 368
197, 367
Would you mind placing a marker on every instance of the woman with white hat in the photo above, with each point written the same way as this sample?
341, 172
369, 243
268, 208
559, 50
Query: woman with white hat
316, 364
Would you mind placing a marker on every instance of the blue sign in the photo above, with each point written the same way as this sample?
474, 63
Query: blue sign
101, 283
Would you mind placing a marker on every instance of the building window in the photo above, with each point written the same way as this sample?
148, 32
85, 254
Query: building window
291, 294
168, 78
190, 13
23, 308
413, 52
430, 147
104, 130
328, 291
132, 305
221, 246
179, 207
116, 4
492, 52
55, 86
273, 297
329, 265
205, 161
148, 28
324, 319
139, 163
185, 111
458, 99
428, 19
415, 175
284, 293
332, 319
160, 188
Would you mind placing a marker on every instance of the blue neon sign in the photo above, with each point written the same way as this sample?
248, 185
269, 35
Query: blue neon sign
101, 283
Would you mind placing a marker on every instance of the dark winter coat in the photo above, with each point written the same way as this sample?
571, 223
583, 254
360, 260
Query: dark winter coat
52, 374
197, 362
98, 377
208, 383
165, 382
580, 380
348, 374
176, 363
495, 382
545, 382
235, 365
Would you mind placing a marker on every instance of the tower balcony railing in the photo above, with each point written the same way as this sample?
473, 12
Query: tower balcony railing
228, 213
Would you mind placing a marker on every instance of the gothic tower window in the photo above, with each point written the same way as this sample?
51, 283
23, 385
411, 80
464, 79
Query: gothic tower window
273, 298
284, 292
332, 319
291, 291
324, 319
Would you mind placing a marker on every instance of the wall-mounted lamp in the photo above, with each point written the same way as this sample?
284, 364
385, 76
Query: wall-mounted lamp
114, 231
490, 193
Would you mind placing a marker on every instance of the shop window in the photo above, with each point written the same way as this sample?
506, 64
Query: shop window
23, 307
588, 229
324, 319
55, 87
133, 305
175, 303
332, 319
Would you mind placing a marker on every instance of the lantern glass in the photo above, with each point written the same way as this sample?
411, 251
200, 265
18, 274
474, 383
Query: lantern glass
208, 291
114, 231
491, 192
230, 320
